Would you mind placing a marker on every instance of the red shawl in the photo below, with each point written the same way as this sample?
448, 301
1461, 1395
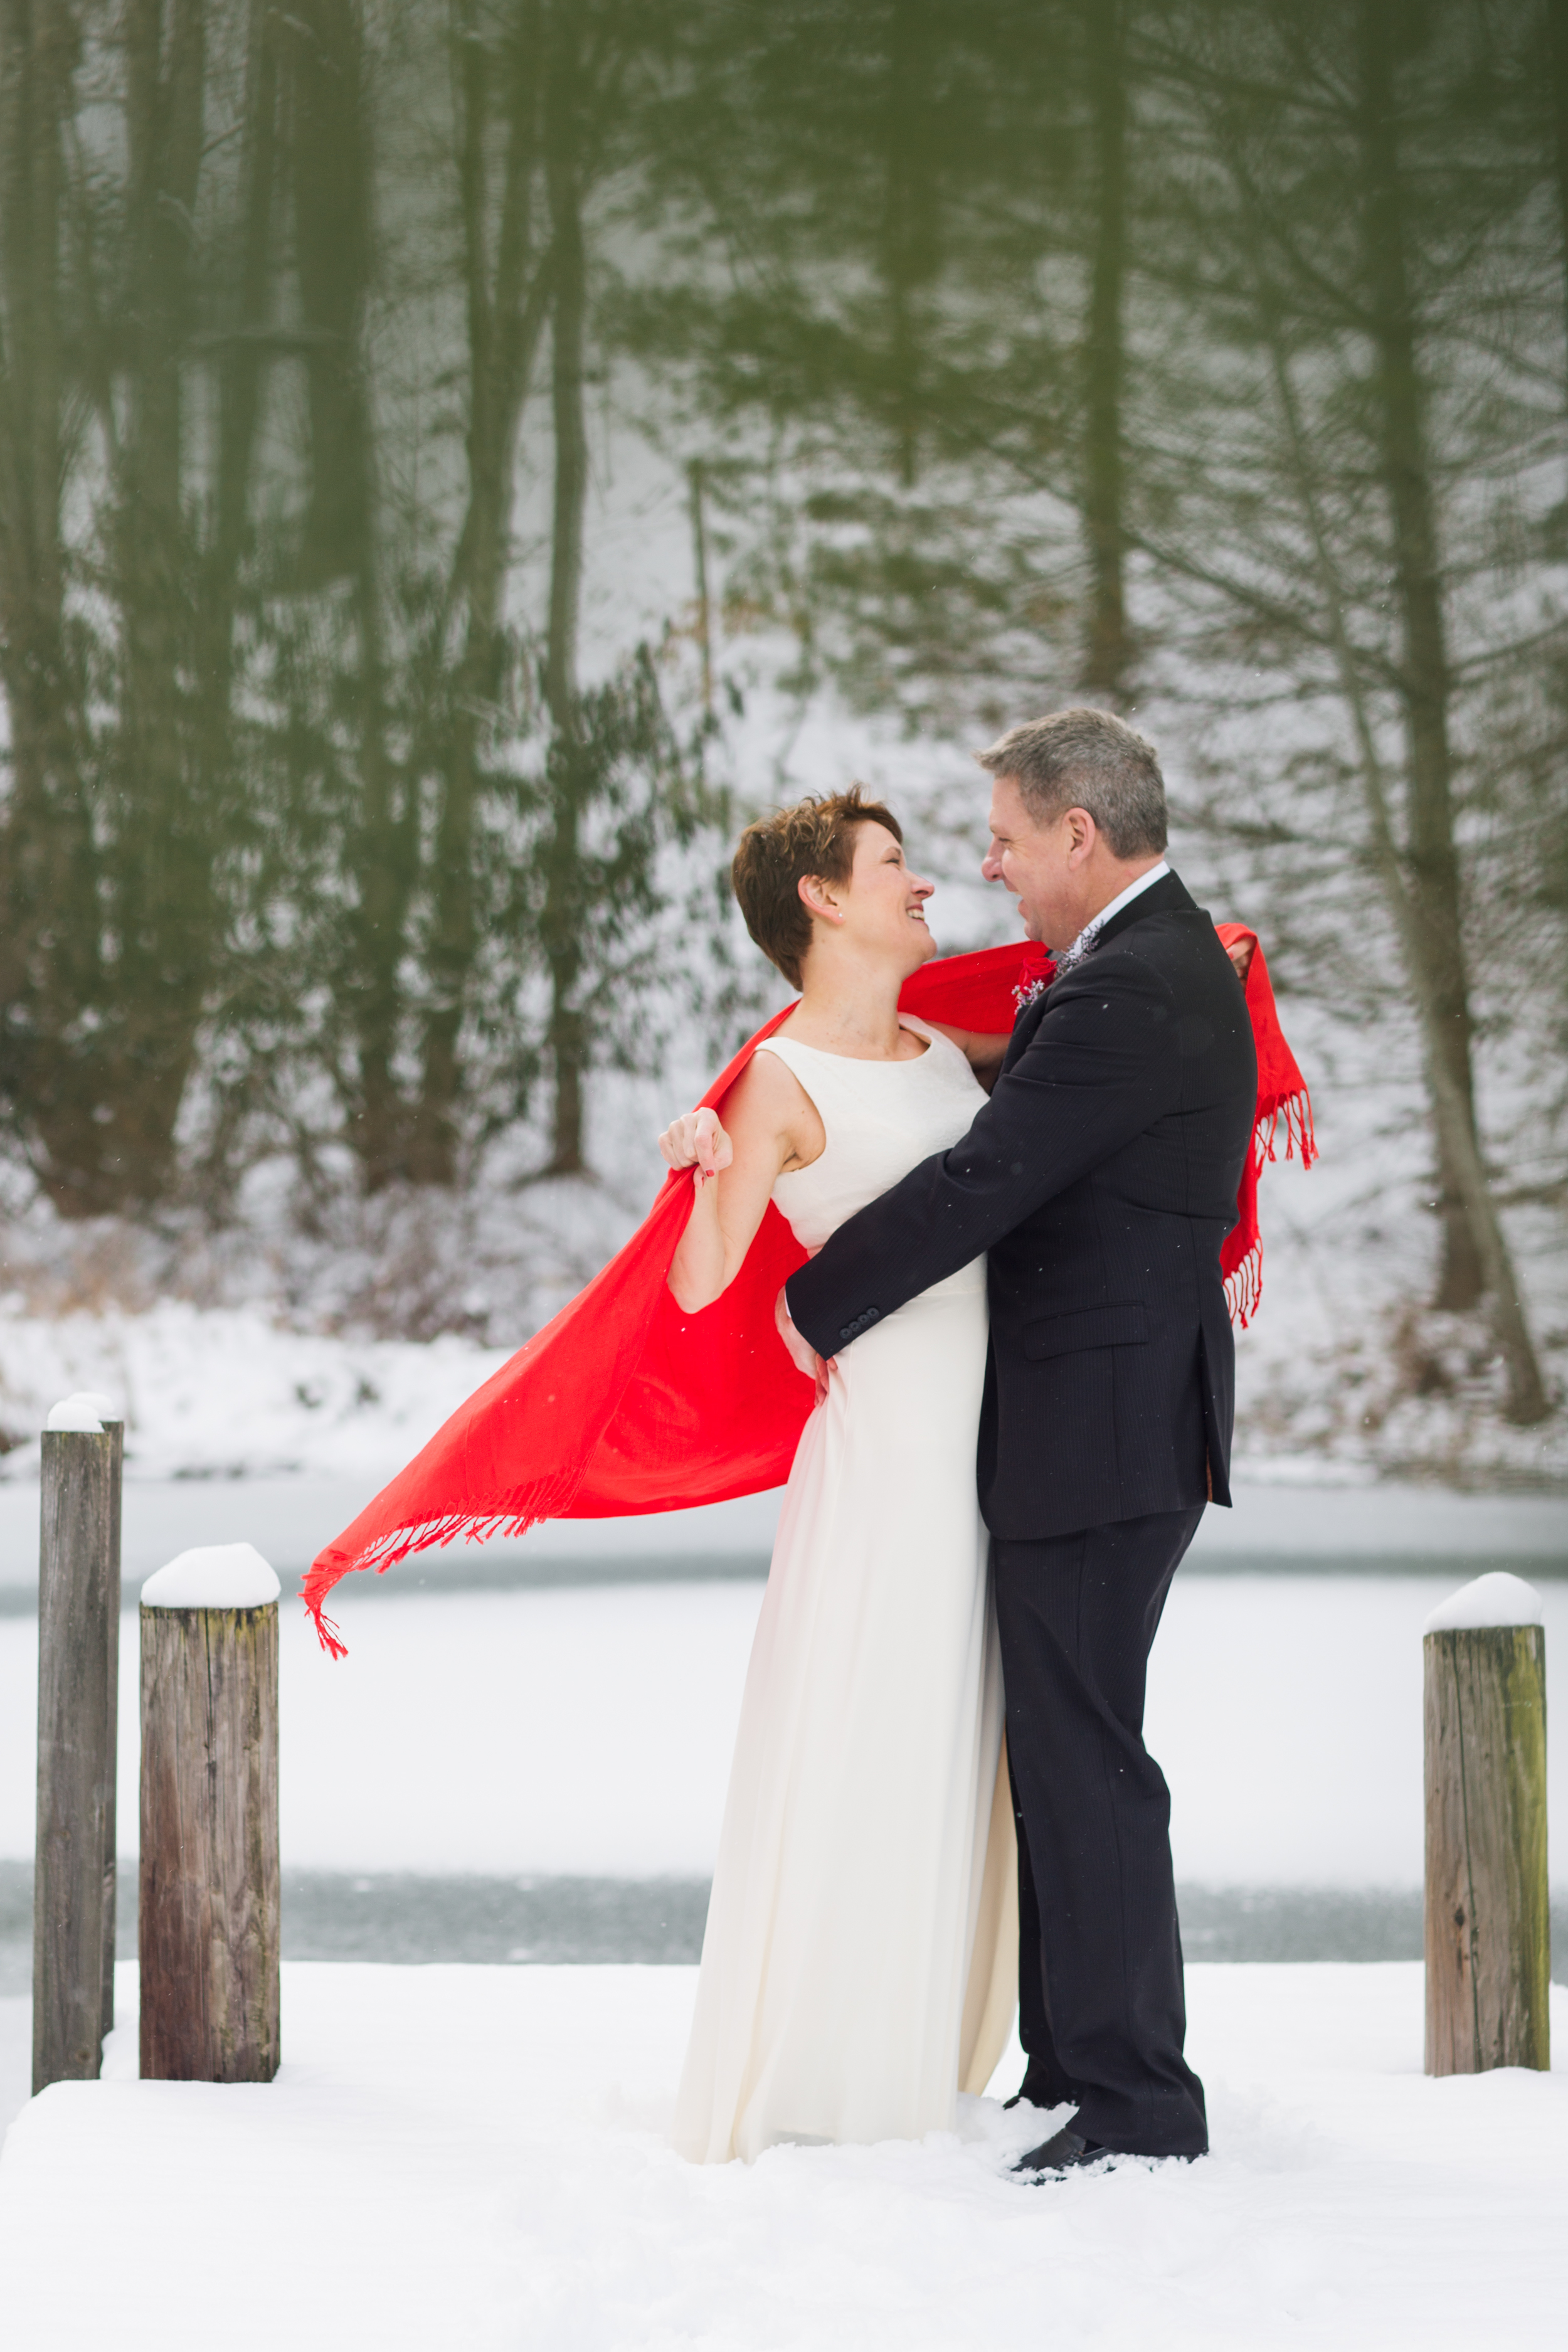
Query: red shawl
623, 1404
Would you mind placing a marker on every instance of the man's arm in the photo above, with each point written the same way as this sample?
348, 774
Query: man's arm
983, 1049
1102, 1065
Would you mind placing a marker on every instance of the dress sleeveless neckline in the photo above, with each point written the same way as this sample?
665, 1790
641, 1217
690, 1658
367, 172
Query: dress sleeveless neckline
865, 1061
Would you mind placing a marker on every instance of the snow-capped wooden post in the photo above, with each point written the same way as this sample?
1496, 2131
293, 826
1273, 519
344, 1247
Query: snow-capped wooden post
209, 1913
114, 1430
79, 1652
1488, 1953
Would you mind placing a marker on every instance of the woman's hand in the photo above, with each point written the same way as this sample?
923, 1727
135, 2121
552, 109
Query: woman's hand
697, 1140
1240, 953
763, 1107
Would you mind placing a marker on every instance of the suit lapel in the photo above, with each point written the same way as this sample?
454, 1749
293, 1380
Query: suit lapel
1168, 896
1024, 1028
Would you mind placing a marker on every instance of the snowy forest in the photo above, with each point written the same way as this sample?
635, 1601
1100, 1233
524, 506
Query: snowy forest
458, 461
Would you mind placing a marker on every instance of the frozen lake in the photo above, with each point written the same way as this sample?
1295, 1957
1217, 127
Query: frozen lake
524, 1759
1276, 1519
586, 1729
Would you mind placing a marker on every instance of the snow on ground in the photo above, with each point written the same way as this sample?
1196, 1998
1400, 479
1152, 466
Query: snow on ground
476, 2157
15, 2056
588, 1730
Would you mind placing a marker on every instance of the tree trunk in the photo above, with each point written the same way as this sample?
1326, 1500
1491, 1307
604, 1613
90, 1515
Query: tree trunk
384, 856
1105, 653
139, 835
910, 221
333, 253
696, 488
507, 311
1431, 855
1556, 62
335, 241
164, 913
561, 925
118, 921
1527, 1400
100, 1045
48, 910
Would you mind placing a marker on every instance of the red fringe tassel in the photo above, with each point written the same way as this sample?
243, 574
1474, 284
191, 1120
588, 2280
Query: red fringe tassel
1244, 1283
545, 1500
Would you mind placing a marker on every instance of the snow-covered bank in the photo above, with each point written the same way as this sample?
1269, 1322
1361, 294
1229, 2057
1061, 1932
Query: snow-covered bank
259, 1385
475, 2158
588, 1730
228, 1393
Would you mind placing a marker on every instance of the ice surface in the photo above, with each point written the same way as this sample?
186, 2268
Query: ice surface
1494, 1600
589, 1730
290, 1517
213, 1576
476, 2157
82, 1413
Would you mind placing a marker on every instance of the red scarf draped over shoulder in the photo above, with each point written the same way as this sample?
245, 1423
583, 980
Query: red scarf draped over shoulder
624, 1404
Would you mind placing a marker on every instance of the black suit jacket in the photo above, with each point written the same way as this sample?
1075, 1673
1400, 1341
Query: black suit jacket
1102, 1178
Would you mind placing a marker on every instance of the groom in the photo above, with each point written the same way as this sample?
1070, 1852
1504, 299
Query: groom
1102, 1178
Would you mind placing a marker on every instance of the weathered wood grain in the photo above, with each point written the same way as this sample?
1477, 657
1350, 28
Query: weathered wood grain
1489, 1954
115, 1432
79, 1624
209, 1913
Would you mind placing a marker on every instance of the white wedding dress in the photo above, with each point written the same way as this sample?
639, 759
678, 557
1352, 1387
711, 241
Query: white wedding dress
860, 1964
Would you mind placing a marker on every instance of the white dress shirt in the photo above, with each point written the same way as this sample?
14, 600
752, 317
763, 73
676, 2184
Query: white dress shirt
1096, 923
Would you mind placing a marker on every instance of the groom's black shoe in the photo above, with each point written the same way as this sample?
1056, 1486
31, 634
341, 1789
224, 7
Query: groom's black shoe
1066, 2151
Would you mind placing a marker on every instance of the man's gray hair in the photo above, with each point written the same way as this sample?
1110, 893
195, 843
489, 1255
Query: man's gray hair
1091, 760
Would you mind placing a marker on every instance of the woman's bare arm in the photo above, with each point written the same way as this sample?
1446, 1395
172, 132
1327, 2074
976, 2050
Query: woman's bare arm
772, 1124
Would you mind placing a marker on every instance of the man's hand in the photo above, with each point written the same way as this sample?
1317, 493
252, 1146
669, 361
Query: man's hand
802, 1354
1240, 953
697, 1140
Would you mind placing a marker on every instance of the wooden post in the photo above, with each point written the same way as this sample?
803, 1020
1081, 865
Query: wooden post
79, 1628
114, 1429
1489, 1955
209, 1912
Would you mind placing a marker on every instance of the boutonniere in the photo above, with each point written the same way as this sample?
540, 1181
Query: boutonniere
1029, 990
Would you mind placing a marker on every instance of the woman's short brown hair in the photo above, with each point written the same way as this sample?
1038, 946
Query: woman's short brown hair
774, 856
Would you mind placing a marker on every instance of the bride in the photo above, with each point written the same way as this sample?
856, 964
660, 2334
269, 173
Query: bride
859, 1964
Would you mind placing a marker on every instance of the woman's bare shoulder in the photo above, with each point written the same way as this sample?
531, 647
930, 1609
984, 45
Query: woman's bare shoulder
766, 1087
768, 1097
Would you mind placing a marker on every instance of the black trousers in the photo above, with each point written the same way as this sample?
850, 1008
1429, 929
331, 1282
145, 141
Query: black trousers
1102, 2012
